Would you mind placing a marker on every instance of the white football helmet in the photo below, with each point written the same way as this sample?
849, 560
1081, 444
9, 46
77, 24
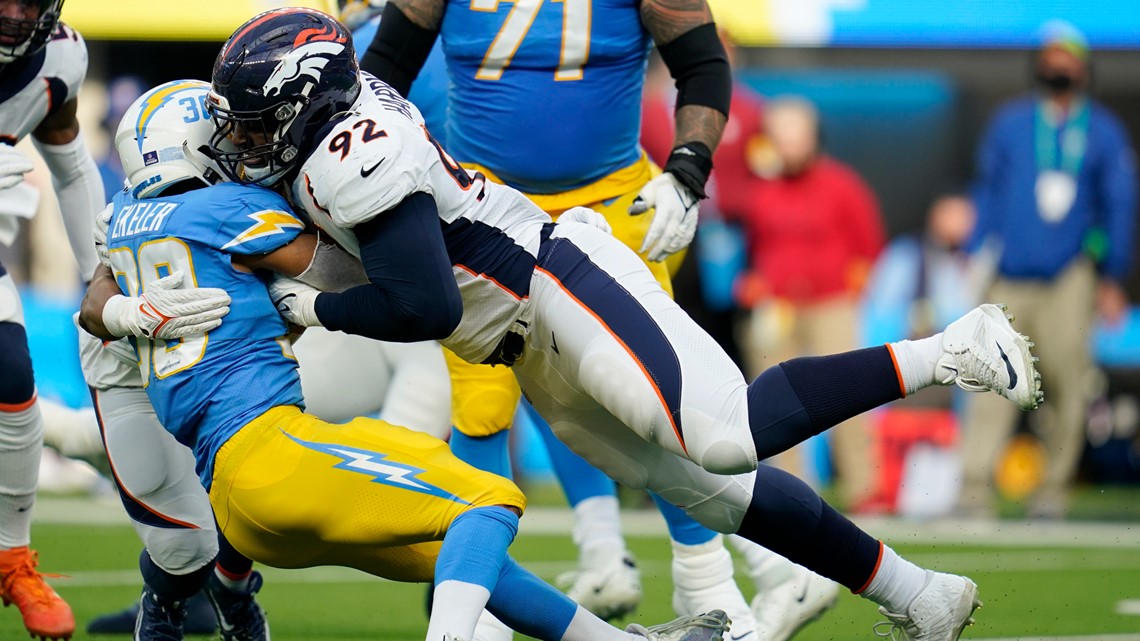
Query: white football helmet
164, 138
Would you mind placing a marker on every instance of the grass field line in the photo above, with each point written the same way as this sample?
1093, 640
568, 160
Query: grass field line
559, 521
973, 562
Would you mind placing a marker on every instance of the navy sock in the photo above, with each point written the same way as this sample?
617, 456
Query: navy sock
172, 587
802, 397
790, 519
232, 563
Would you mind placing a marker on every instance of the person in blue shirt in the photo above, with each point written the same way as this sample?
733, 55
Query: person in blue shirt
1056, 193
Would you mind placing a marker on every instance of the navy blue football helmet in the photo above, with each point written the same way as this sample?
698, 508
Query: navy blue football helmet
280, 79
20, 37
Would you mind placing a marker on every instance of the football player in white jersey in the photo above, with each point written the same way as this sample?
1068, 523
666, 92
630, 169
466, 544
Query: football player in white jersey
43, 63
622, 374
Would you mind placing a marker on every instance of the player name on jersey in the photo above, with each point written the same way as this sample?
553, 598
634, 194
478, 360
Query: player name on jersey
141, 217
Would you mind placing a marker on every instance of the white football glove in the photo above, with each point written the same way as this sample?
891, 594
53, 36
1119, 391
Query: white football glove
166, 312
295, 301
586, 216
102, 223
13, 165
674, 221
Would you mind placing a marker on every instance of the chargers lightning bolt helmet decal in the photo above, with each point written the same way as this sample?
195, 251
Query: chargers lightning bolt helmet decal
280, 79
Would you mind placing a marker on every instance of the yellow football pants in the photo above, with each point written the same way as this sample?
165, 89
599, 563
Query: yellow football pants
484, 398
290, 491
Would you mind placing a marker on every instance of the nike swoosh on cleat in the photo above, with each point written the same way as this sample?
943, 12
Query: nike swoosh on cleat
364, 173
1008, 368
738, 638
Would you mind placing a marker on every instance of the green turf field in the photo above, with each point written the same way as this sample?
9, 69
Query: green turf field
1036, 590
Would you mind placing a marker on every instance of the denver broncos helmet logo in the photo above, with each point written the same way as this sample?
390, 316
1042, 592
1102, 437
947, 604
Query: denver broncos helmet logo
312, 51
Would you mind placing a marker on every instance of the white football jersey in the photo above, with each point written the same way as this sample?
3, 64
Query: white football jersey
379, 155
107, 364
36, 86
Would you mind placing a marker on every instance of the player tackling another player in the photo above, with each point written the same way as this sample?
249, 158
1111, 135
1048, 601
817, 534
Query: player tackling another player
288, 489
625, 378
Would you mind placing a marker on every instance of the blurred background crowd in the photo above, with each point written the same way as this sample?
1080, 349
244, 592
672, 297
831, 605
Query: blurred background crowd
888, 164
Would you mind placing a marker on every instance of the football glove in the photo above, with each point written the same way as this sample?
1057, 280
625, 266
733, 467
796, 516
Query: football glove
163, 311
586, 216
295, 301
13, 165
102, 222
674, 220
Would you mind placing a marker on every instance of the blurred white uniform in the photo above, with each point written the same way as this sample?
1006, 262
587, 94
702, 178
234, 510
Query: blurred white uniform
345, 376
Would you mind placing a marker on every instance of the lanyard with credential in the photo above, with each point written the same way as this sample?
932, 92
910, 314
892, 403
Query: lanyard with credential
1071, 136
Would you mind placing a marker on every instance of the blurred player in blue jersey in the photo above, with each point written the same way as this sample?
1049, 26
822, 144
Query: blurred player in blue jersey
288, 489
546, 98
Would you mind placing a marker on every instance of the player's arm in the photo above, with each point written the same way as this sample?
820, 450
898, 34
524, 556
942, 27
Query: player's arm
411, 294
407, 33
687, 40
75, 177
315, 263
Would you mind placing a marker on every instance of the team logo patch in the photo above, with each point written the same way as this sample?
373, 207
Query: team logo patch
266, 223
312, 51
378, 466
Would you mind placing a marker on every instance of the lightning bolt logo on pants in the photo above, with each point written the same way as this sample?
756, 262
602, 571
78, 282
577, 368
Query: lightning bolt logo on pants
377, 465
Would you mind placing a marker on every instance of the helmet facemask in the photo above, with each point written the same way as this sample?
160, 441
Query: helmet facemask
252, 146
20, 37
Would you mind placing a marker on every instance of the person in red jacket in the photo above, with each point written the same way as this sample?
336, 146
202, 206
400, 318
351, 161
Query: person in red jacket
813, 230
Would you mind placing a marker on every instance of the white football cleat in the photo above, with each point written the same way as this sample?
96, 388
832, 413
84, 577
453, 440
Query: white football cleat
982, 351
703, 581
939, 613
610, 591
710, 626
781, 611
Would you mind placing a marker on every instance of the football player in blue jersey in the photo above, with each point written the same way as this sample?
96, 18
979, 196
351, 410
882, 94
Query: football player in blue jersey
570, 75
288, 489
623, 375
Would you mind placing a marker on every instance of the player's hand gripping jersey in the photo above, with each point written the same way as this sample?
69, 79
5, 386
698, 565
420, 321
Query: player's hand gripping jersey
567, 76
199, 386
379, 155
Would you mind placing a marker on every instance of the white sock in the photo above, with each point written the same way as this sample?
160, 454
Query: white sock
896, 582
237, 585
703, 580
918, 361
766, 568
587, 627
489, 628
21, 443
456, 607
597, 532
